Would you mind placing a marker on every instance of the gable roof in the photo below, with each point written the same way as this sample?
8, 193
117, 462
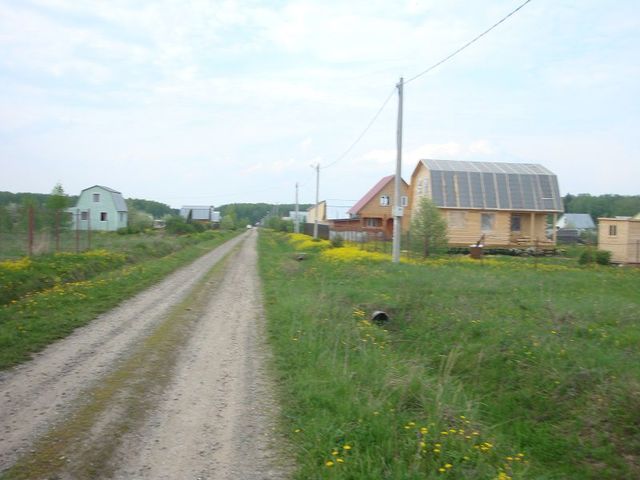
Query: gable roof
118, 200
370, 195
493, 185
581, 221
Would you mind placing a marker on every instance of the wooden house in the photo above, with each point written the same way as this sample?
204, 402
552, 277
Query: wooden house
99, 208
621, 237
373, 213
504, 204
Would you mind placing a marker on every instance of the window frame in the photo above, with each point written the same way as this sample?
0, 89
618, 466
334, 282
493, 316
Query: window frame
492, 217
95, 197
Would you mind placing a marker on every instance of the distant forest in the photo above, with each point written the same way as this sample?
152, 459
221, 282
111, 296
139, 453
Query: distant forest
157, 209
602, 205
595, 205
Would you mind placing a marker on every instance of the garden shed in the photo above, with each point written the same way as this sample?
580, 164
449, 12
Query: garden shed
621, 237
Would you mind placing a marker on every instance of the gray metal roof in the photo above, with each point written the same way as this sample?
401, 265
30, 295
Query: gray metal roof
493, 185
581, 221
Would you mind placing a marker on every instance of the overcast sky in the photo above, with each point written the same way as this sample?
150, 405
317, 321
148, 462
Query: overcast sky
214, 102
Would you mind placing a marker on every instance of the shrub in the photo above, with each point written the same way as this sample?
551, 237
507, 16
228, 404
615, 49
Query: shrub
603, 257
337, 242
586, 257
589, 256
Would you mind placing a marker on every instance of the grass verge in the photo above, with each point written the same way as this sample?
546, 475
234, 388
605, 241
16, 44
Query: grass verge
490, 370
83, 446
36, 320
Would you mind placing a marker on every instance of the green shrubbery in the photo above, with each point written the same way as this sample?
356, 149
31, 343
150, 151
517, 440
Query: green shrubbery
590, 256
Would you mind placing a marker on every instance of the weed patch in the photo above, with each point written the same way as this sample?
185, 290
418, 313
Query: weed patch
491, 370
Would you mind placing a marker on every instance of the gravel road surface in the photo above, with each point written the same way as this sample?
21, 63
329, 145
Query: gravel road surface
169, 385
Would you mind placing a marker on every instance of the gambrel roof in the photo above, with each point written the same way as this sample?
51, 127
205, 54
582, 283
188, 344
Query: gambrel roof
118, 200
492, 185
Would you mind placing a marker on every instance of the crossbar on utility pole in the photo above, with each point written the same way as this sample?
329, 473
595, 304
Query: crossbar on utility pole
397, 203
315, 222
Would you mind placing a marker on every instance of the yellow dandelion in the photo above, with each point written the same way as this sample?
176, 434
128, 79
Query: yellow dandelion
329, 463
347, 447
340, 460
448, 466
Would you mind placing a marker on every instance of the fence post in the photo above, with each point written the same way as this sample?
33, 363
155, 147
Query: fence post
57, 230
89, 229
77, 230
31, 226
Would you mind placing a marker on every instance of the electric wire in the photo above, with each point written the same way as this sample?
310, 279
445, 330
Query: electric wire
469, 43
362, 134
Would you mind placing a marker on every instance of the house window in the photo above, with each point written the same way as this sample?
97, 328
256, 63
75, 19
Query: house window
385, 201
516, 223
487, 221
613, 230
84, 215
373, 222
457, 219
96, 197
404, 201
103, 216
121, 217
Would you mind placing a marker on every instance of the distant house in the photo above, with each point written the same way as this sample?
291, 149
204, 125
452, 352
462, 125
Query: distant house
582, 222
504, 204
99, 208
621, 237
373, 213
301, 216
200, 214
327, 211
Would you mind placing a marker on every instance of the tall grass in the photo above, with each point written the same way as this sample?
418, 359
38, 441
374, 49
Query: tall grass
486, 370
49, 312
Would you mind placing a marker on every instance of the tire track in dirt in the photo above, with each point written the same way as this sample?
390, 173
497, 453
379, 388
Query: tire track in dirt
113, 392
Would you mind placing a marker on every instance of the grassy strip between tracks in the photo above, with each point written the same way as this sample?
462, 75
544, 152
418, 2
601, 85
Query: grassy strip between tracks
84, 445
491, 370
32, 322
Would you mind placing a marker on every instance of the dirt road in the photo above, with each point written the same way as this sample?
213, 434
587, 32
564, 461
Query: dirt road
170, 385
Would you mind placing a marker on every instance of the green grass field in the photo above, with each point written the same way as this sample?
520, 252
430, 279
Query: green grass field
45, 298
507, 368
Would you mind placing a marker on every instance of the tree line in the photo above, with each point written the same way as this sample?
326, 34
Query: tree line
602, 205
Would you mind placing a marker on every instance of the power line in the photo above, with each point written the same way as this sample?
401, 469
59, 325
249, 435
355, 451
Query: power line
369, 125
435, 65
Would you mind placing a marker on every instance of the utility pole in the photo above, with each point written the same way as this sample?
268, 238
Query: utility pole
297, 219
397, 204
315, 223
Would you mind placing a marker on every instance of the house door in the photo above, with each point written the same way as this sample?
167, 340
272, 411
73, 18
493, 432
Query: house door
388, 229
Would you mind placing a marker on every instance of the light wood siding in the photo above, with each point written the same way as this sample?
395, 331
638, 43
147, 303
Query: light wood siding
624, 245
501, 234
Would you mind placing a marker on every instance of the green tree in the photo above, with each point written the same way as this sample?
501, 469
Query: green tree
428, 228
56, 216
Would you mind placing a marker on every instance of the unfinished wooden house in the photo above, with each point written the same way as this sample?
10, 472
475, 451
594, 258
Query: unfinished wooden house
504, 204
621, 237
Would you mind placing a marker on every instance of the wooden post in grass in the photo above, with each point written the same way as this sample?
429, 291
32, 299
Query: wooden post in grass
30, 228
77, 230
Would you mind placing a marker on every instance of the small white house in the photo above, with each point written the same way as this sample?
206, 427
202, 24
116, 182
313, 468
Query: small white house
200, 213
99, 208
